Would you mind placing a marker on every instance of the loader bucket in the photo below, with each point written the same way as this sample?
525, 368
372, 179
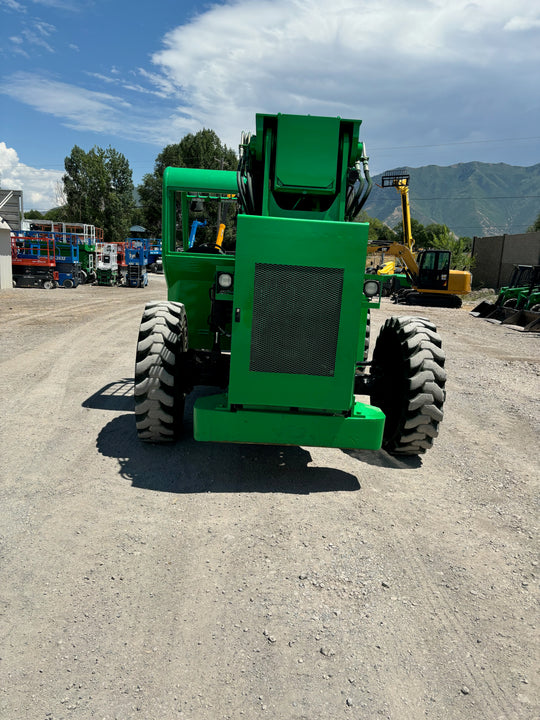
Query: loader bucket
482, 310
526, 319
497, 314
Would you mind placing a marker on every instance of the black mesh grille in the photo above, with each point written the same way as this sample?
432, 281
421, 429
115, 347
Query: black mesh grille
296, 314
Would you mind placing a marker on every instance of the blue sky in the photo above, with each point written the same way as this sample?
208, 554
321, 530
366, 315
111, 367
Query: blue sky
434, 81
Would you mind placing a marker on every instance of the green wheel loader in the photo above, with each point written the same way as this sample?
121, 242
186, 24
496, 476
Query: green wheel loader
276, 317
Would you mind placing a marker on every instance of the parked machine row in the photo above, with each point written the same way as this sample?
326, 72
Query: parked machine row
53, 258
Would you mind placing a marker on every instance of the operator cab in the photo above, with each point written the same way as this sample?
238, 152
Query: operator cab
433, 269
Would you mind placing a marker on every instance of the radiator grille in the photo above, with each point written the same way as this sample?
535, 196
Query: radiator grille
296, 312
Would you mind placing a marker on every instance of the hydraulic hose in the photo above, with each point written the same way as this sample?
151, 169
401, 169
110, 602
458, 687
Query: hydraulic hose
360, 201
353, 195
243, 177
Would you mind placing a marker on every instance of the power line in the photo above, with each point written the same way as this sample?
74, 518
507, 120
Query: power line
481, 197
397, 147
463, 142
472, 227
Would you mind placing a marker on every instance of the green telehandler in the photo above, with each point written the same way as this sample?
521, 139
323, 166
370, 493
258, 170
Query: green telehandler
276, 318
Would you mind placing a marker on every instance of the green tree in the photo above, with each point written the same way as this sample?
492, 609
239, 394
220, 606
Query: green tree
119, 206
433, 232
137, 217
378, 231
203, 150
33, 214
535, 227
99, 190
57, 214
422, 238
460, 248
430, 236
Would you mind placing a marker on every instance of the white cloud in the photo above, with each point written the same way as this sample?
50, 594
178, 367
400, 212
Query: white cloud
80, 108
166, 87
73, 5
127, 85
104, 78
34, 34
523, 23
38, 185
386, 62
13, 5
421, 72
99, 112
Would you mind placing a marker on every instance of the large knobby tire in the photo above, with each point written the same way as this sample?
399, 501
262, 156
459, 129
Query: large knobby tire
159, 397
368, 333
361, 368
408, 383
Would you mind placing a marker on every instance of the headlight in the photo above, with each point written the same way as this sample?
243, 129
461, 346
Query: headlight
224, 281
371, 288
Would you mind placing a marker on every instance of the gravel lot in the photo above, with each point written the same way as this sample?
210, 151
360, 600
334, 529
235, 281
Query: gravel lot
206, 581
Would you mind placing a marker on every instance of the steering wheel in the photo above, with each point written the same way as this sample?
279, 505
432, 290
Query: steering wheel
208, 248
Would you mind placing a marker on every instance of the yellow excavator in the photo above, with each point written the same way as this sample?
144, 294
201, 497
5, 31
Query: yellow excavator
428, 271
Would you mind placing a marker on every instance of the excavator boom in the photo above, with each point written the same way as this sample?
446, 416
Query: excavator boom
432, 281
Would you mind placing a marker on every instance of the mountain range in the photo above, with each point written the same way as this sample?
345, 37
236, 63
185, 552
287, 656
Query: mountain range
471, 198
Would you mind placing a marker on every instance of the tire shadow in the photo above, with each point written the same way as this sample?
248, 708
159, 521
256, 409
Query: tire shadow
381, 458
117, 395
188, 466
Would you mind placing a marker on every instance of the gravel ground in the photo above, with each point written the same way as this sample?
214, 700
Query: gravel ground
206, 581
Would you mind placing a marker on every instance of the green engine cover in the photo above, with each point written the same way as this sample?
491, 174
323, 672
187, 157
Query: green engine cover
296, 313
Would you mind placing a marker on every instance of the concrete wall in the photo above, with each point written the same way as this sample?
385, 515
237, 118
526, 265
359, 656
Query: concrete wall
496, 256
6, 276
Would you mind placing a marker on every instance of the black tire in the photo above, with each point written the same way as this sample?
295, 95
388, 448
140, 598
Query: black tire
386, 288
368, 333
159, 397
83, 277
408, 379
511, 303
401, 295
535, 308
68, 283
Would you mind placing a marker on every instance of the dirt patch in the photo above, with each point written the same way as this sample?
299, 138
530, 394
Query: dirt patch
209, 581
